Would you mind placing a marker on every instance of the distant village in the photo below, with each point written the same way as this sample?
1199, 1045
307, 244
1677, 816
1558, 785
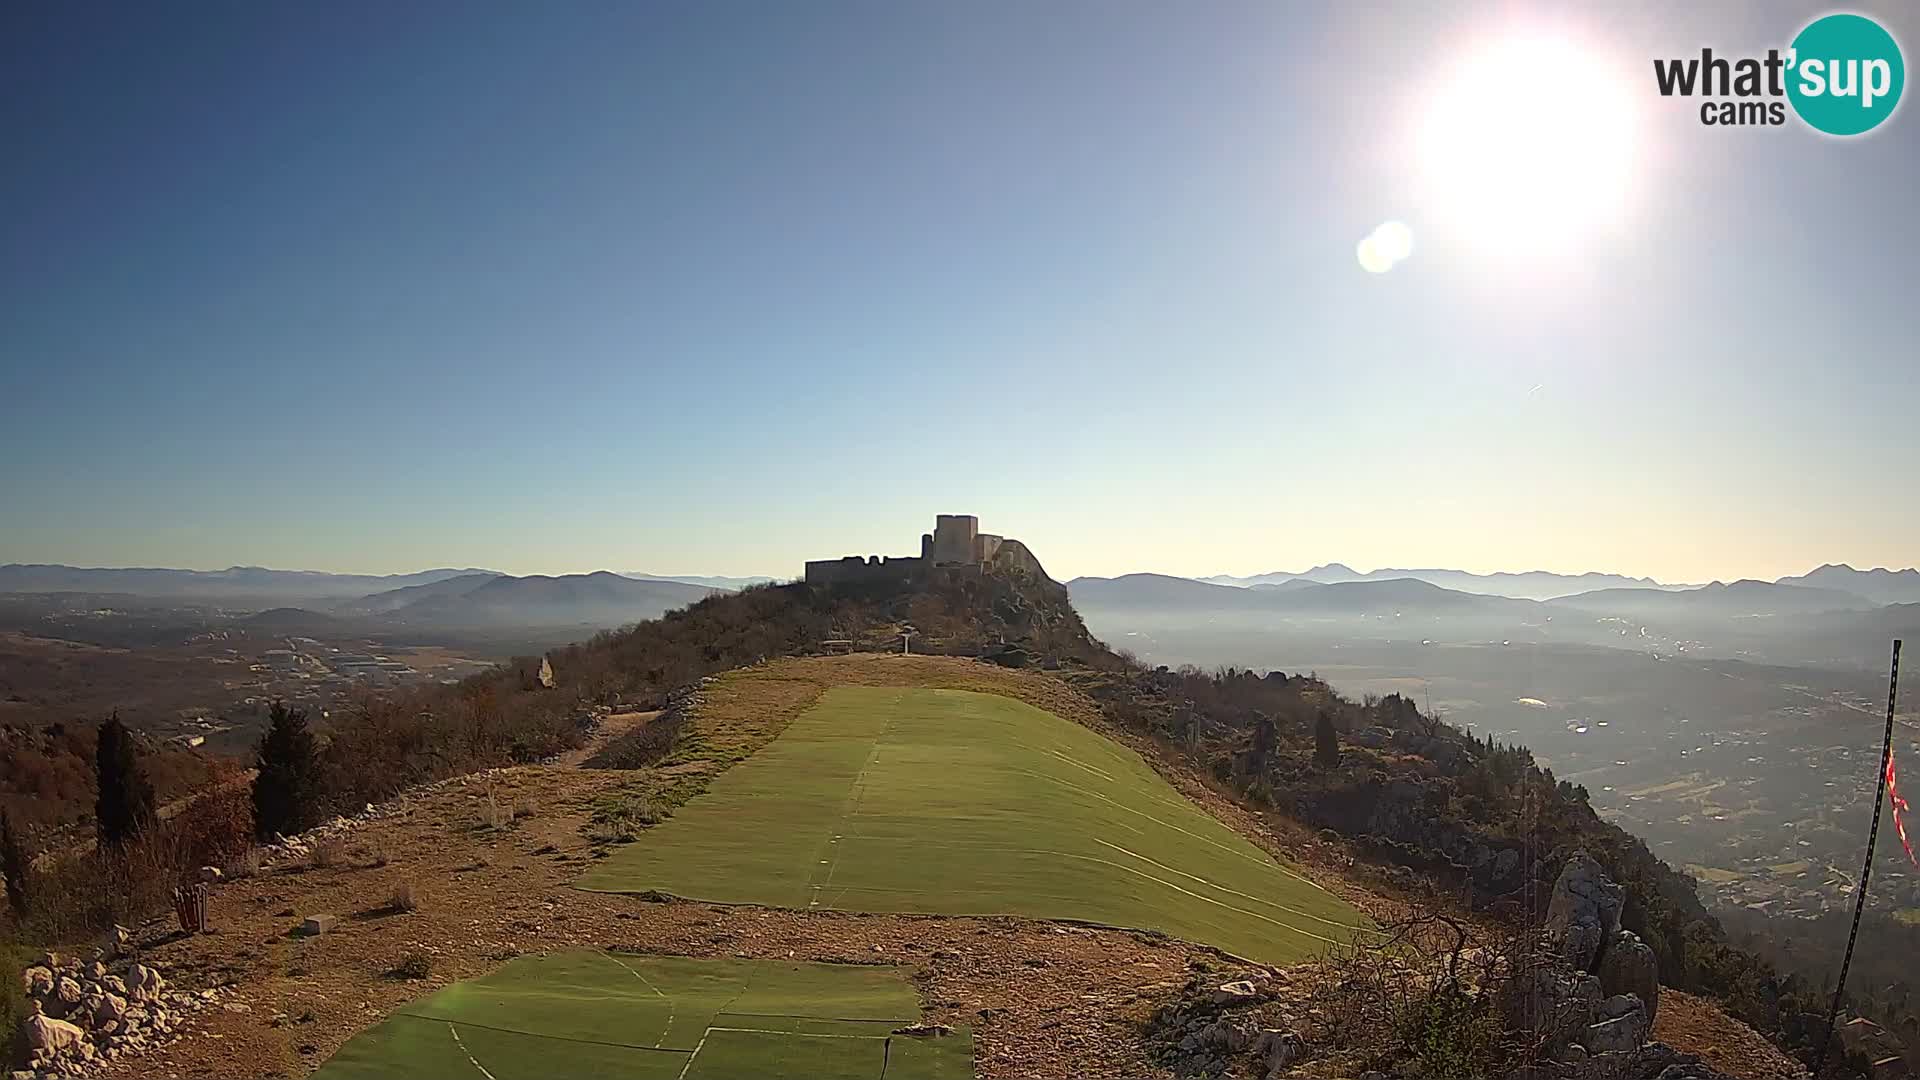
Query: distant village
309, 674
1776, 833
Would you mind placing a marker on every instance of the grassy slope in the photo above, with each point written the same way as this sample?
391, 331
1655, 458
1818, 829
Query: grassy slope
951, 802
605, 1014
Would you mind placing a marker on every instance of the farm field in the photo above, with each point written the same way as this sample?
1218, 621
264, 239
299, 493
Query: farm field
590, 1013
894, 799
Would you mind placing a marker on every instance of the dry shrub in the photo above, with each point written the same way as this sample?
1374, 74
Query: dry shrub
76, 898
380, 853
404, 898
217, 827
525, 808
245, 865
1427, 995
330, 851
414, 965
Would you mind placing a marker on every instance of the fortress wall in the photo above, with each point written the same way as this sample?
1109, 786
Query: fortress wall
953, 538
853, 569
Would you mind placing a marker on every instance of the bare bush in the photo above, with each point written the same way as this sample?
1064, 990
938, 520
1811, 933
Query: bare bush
246, 864
216, 828
327, 852
414, 965
404, 898
1428, 996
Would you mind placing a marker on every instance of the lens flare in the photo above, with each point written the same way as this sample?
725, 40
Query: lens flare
1388, 245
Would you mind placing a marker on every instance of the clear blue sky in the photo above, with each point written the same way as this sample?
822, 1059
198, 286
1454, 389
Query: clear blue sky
719, 287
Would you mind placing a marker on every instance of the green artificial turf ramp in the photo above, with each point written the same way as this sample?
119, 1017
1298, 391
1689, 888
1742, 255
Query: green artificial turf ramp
594, 1014
958, 803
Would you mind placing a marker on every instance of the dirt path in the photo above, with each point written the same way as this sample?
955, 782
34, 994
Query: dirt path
612, 726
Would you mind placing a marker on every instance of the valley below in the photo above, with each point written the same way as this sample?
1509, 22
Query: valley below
1757, 778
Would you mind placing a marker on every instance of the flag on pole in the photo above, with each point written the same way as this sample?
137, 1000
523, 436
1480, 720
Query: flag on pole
1899, 813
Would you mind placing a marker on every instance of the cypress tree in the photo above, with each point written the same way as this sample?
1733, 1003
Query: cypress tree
1326, 741
13, 863
125, 805
286, 793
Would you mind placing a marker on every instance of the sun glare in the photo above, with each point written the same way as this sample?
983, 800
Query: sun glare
1528, 146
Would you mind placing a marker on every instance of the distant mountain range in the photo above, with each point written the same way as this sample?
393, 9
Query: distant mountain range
1164, 594
1880, 585
1161, 594
1739, 599
251, 582
1778, 621
244, 586
1530, 585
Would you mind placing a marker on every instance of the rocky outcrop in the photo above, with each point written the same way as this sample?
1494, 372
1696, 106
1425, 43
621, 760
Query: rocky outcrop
1583, 922
1584, 913
1224, 1028
1593, 996
83, 1015
1627, 966
1623, 1030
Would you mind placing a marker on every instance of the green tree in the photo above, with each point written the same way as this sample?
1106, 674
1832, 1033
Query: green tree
124, 807
13, 863
286, 793
1326, 741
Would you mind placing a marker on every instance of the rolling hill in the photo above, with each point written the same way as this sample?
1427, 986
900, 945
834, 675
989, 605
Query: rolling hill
395, 599
598, 599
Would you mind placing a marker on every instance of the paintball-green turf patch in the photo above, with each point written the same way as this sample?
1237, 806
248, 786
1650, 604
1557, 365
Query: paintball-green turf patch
958, 803
596, 1014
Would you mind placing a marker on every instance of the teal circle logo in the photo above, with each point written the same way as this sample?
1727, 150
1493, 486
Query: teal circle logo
1845, 74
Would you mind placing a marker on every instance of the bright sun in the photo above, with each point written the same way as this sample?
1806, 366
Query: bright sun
1528, 147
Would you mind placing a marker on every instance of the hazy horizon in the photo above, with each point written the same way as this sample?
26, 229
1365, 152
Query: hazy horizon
783, 575
730, 287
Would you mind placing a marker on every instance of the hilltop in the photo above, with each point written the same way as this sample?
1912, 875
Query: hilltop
697, 707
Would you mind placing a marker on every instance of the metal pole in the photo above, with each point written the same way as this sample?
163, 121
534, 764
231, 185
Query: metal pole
1866, 870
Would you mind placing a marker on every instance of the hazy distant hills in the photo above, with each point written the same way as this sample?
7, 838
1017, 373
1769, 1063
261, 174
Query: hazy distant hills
305, 601
233, 582
1781, 622
598, 599
1162, 594
1740, 599
732, 584
1530, 585
391, 600
1880, 585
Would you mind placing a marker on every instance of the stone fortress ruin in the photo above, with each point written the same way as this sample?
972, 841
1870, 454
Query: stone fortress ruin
955, 544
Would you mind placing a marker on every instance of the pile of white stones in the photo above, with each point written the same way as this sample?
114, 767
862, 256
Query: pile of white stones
83, 1014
